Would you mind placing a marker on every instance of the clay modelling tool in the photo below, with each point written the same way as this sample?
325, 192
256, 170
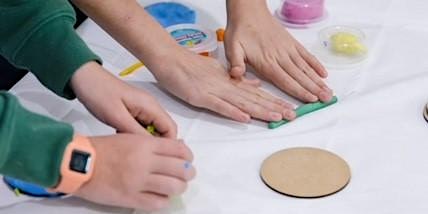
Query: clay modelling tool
131, 69
305, 172
304, 109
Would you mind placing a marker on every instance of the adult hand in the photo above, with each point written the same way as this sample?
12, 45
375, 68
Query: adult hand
138, 171
253, 36
118, 104
204, 82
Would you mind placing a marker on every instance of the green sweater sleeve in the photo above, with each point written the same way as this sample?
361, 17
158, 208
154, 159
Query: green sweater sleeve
38, 35
31, 145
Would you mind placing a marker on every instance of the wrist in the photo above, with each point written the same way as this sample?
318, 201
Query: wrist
161, 65
77, 165
83, 75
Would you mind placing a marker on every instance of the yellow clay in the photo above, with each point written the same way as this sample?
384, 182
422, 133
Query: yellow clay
347, 43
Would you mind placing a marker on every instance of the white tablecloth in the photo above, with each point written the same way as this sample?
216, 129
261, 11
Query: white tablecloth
377, 126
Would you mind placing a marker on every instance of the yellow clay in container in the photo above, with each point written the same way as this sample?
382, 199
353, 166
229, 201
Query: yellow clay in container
347, 43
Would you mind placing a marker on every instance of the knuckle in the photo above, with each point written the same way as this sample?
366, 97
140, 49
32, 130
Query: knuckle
269, 58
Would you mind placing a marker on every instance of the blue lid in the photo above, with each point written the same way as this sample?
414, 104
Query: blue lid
171, 13
29, 189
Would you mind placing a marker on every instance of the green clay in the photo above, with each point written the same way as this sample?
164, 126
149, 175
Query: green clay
304, 109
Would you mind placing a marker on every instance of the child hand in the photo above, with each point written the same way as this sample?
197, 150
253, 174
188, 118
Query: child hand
253, 36
137, 171
203, 82
118, 104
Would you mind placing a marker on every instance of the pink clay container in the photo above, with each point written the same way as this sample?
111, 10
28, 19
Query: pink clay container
301, 12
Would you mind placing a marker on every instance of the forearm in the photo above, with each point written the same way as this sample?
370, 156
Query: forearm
31, 145
131, 26
238, 9
47, 44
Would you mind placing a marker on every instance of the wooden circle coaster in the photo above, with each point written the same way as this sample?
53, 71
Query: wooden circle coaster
426, 112
305, 172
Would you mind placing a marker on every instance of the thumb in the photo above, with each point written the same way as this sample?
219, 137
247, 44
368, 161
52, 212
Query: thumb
236, 58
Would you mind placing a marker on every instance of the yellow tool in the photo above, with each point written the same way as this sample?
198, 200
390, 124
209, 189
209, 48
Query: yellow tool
131, 69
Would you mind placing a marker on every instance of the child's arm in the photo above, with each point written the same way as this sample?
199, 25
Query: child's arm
40, 37
133, 171
200, 81
31, 145
253, 36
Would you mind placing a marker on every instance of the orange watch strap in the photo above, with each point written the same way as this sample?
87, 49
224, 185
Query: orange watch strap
70, 180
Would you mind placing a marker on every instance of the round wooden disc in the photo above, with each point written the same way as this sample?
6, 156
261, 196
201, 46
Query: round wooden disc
305, 172
426, 112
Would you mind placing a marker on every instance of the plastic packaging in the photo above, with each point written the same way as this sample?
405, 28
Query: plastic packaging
301, 13
29, 189
342, 46
195, 38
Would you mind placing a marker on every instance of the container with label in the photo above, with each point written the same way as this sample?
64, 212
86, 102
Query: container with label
194, 37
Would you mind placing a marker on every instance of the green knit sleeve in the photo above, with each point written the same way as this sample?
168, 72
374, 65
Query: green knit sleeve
31, 145
39, 36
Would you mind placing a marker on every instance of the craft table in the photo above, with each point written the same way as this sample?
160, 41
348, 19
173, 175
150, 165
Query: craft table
377, 125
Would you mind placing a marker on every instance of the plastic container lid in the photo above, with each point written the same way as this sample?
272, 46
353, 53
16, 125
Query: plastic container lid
30, 189
194, 37
301, 13
171, 13
342, 46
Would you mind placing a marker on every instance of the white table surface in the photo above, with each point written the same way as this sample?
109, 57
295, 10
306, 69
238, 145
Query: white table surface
377, 126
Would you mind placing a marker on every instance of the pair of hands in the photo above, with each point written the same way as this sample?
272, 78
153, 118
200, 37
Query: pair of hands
156, 169
132, 170
261, 42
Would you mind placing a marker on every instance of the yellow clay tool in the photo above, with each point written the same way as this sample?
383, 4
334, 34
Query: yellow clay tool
131, 69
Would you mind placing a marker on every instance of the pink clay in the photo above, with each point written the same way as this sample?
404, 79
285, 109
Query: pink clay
302, 11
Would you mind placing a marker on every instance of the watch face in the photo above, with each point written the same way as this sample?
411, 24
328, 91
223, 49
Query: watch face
80, 161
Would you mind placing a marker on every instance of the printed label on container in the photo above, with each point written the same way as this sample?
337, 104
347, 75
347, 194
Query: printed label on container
189, 37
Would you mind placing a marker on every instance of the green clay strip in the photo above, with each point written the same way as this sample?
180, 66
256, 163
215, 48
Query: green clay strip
304, 109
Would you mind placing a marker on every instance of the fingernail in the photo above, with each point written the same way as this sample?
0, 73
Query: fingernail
245, 118
311, 98
289, 115
274, 116
187, 165
325, 96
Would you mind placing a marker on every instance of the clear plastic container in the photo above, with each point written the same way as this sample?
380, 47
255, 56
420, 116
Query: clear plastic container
195, 38
342, 46
301, 13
